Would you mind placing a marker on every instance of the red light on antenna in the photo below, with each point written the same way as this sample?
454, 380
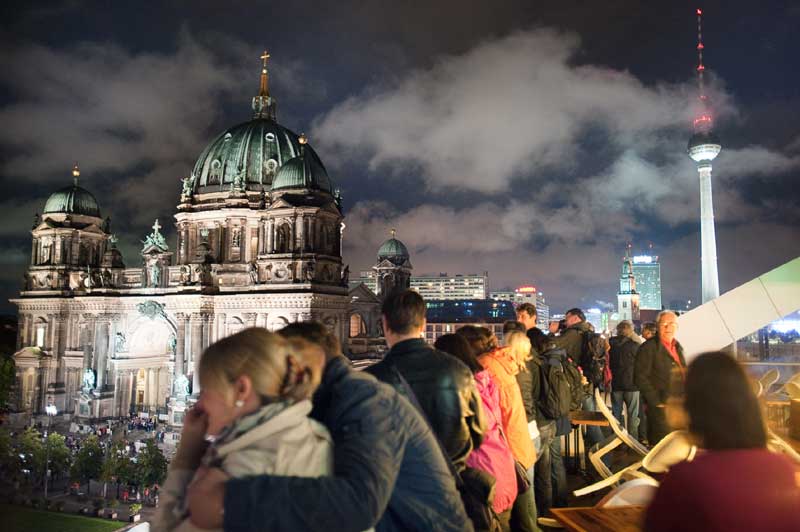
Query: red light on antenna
700, 46
699, 11
700, 67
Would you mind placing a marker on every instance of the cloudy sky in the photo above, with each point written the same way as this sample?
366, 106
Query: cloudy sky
528, 139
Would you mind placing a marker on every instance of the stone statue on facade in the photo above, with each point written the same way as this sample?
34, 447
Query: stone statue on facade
346, 275
254, 273
119, 342
155, 240
155, 275
181, 386
188, 184
88, 380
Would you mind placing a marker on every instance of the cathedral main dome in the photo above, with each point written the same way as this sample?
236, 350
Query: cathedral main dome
252, 152
250, 155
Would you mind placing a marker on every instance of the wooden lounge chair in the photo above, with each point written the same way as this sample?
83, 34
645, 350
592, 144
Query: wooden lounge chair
673, 448
620, 435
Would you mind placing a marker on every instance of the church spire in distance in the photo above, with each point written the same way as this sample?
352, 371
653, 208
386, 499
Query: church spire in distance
264, 104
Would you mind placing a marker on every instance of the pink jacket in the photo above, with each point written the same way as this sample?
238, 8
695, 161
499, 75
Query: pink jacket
494, 456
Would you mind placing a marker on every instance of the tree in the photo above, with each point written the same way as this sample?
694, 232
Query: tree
8, 378
58, 454
118, 466
8, 458
31, 453
151, 465
89, 460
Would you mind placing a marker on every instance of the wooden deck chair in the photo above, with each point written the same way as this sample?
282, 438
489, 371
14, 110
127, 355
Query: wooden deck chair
793, 379
768, 379
675, 447
620, 435
777, 444
792, 390
638, 491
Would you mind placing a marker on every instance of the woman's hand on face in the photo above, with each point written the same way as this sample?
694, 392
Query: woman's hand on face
195, 423
193, 444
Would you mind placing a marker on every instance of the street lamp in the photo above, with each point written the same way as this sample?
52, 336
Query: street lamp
51, 411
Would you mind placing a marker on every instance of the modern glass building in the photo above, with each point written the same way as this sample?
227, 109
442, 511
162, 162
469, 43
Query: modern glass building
647, 272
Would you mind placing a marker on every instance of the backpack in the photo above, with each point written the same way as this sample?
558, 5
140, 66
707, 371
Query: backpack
556, 389
593, 358
576, 390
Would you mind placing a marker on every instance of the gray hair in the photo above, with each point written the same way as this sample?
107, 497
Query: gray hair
664, 313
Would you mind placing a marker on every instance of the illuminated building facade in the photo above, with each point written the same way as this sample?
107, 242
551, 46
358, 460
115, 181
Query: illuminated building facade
445, 316
526, 294
647, 272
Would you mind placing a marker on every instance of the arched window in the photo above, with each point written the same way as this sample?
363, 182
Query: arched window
282, 238
235, 325
357, 326
39, 333
215, 173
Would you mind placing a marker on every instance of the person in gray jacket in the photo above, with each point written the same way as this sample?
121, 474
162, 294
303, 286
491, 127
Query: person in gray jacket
389, 472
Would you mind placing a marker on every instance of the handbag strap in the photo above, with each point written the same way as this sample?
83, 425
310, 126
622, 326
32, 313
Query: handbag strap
412, 397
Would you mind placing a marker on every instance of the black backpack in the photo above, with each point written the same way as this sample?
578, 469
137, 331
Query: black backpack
593, 358
556, 389
576, 389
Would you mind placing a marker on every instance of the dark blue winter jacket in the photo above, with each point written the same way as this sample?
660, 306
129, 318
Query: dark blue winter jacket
389, 471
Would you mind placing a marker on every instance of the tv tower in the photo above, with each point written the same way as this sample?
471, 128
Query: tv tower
704, 146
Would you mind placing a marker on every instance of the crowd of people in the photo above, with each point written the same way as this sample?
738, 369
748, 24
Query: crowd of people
462, 435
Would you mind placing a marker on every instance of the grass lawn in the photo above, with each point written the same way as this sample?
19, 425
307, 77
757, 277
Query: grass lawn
18, 519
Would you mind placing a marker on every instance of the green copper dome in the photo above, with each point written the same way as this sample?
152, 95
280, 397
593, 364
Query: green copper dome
305, 171
72, 200
254, 150
393, 250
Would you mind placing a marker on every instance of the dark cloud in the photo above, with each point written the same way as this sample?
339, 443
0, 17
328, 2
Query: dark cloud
532, 141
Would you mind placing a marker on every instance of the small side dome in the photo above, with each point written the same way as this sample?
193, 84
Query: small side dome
303, 172
393, 250
72, 200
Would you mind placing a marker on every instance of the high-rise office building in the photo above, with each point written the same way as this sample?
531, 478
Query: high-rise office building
440, 285
458, 286
526, 294
647, 271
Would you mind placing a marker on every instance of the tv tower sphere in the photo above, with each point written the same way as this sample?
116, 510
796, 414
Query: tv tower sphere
704, 147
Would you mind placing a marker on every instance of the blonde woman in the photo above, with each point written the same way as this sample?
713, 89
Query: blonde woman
253, 409
504, 363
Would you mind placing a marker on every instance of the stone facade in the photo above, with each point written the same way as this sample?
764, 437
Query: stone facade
99, 340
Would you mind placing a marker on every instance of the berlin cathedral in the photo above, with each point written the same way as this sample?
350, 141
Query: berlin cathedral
259, 243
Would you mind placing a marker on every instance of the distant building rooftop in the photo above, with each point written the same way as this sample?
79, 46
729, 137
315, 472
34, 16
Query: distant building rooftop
469, 311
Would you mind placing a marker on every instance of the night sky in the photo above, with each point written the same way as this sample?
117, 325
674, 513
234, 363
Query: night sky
529, 139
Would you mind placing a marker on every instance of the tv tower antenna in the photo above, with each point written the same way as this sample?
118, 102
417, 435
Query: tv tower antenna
704, 146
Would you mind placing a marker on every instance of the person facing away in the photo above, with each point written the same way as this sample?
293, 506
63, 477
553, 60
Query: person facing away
494, 455
442, 385
622, 361
734, 483
388, 469
649, 330
550, 476
253, 408
656, 361
504, 364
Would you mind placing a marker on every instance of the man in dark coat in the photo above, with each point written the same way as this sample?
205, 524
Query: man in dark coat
389, 471
442, 385
622, 359
658, 361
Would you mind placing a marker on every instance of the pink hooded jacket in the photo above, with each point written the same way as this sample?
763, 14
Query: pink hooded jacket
494, 456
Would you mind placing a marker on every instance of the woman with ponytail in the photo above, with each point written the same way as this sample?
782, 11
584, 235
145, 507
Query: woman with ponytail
251, 418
